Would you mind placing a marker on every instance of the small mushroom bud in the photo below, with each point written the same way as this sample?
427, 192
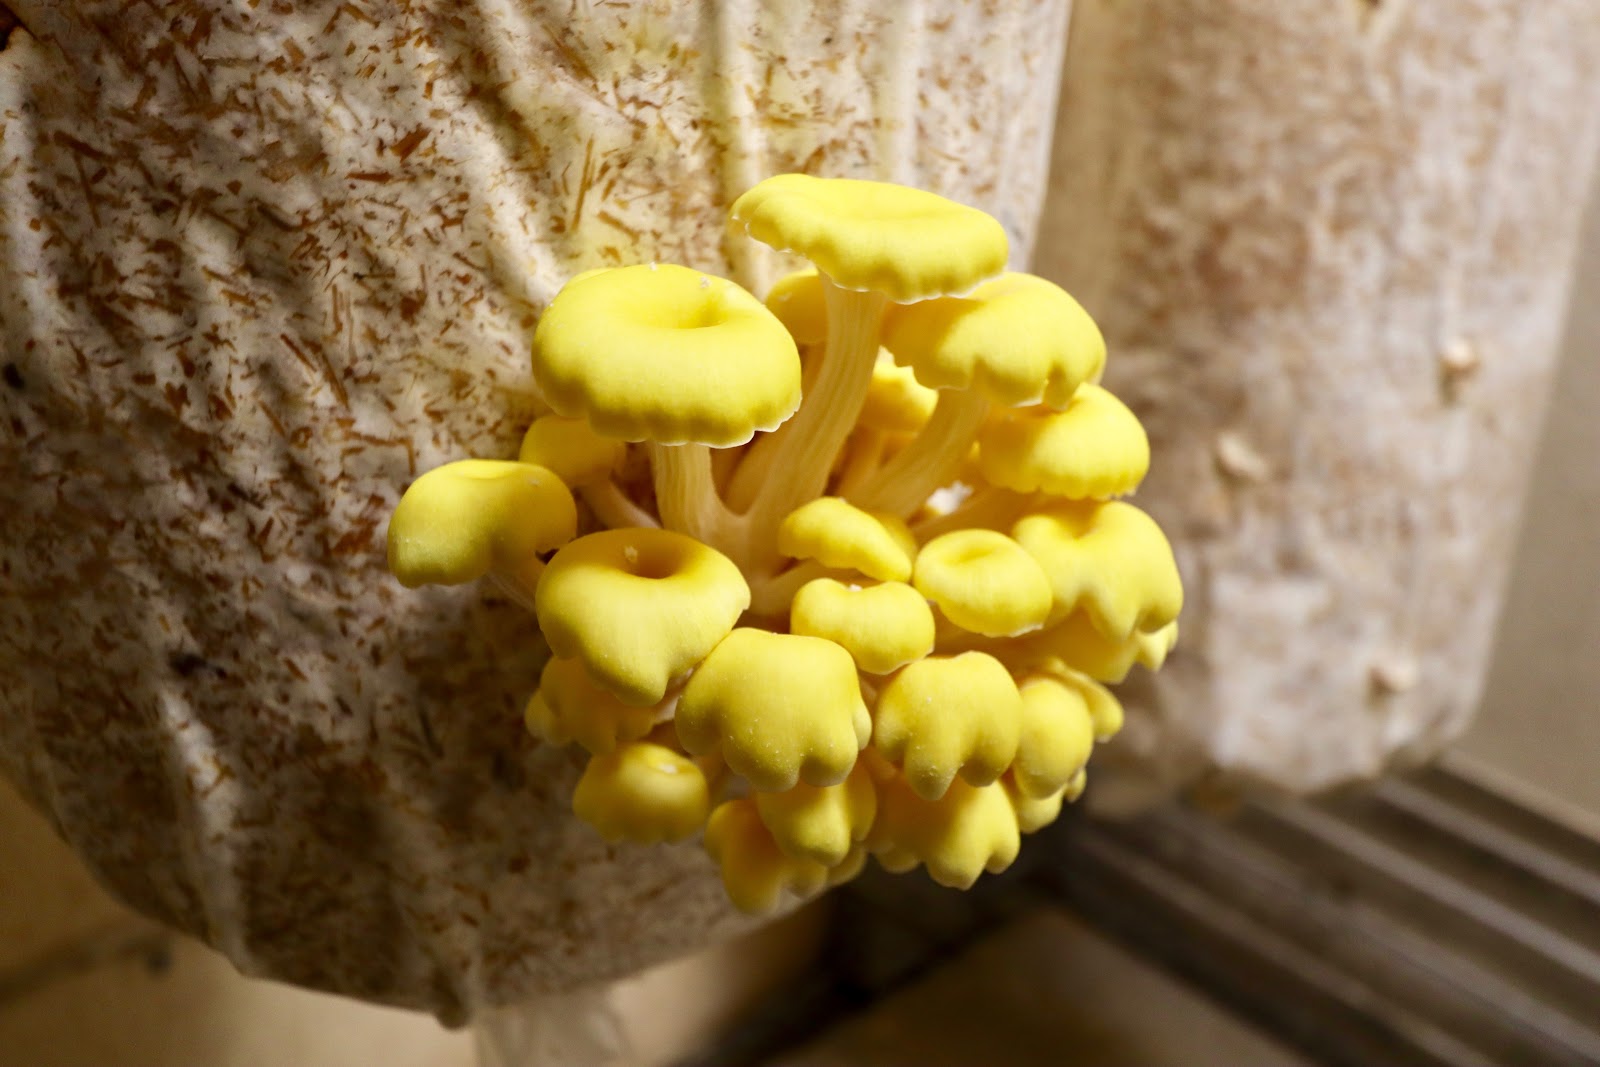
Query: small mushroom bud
1056, 738
883, 626
836, 533
965, 832
779, 708
1111, 559
984, 582
570, 708
639, 607
642, 793
821, 823
944, 716
755, 871
477, 517
1094, 449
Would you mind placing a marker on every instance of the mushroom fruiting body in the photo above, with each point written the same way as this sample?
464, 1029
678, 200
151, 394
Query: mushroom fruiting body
475, 517
569, 708
821, 823
883, 626
944, 716
639, 607
777, 708
1056, 736
667, 354
643, 793
984, 582
836, 533
848, 580
1092, 450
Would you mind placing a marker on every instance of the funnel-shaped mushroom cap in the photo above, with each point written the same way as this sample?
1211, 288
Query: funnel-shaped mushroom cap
571, 448
1017, 338
639, 607
1105, 710
1076, 643
459, 521
779, 708
569, 708
984, 582
905, 243
836, 533
821, 823
798, 302
1095, 448
896, 402
1035, 813
667, 354
944, 716
755, 871
1111, 559
1056, 739
883, 627
968, 830
643, 793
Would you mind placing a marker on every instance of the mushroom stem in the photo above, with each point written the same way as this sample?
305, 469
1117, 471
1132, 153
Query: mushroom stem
866, 453
686, 492
930, 460
724, 462
756, 460
519, 587
805, 447
991, 509
950, 640
612, 507
770, 597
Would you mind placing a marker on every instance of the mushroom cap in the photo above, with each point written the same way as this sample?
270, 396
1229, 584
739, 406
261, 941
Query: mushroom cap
798, 302
1109, 558
896, 402
983, 582
1105, 710
1017, 338
967, 831
644, 793
459, 521
836, 533
1077, 643
778, 708
949, 715
663, 353
1034, 813
1056, 738
569, 708
883, 626
571, 449
755, 871
906, 243
639, 607
1095, 448
823, 824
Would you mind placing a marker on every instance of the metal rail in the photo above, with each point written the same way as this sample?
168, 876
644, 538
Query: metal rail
1428, 920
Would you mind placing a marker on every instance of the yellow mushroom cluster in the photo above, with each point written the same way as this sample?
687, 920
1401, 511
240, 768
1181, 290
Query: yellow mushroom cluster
838, 574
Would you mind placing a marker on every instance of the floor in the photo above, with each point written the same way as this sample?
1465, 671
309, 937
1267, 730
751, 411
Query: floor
1045, 992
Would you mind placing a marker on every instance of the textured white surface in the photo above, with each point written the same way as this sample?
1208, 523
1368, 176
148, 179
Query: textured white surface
1330, 245
261, 263
1540, 723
